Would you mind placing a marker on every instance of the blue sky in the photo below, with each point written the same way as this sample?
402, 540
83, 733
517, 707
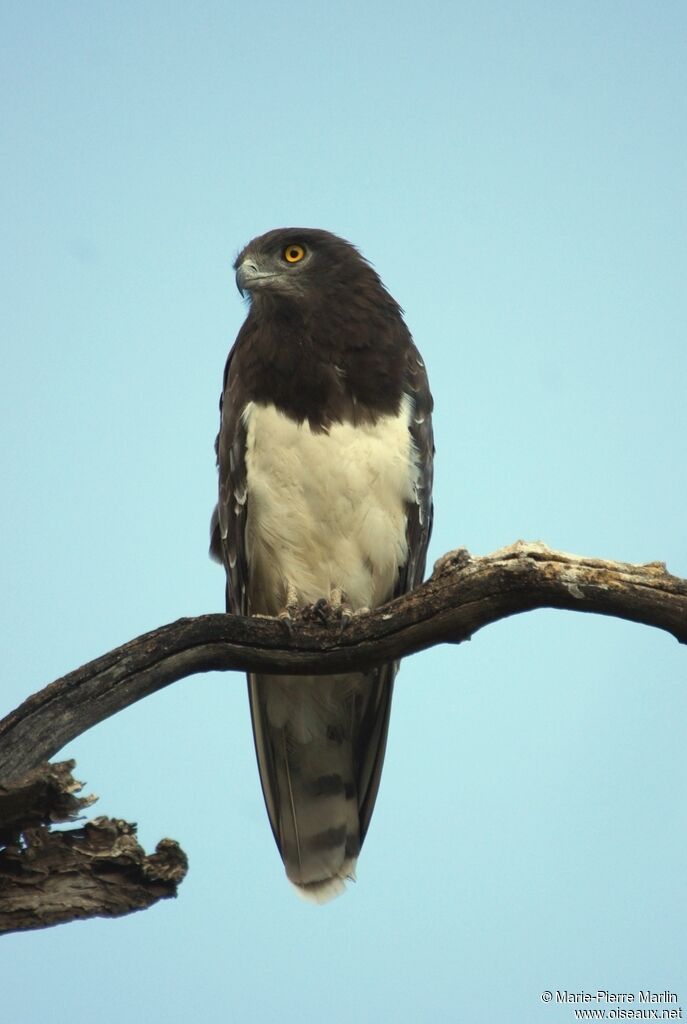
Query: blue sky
516, 173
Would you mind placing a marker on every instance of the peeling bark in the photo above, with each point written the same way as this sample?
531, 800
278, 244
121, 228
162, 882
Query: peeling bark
97, 870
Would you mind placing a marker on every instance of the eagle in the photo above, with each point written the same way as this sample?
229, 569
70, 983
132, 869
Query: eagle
325, 457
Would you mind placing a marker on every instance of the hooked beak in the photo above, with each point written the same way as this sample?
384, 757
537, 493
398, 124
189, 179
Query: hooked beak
249, 276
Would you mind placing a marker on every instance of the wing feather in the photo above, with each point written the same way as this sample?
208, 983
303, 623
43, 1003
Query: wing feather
374, 716
228, 526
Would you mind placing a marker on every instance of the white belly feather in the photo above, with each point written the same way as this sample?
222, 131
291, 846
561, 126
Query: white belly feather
326, 510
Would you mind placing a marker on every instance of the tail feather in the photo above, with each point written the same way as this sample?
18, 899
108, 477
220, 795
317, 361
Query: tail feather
318, 824
307, 738
329, 889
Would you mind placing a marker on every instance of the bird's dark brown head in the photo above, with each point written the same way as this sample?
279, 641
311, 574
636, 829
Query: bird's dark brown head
303, 264
319, 315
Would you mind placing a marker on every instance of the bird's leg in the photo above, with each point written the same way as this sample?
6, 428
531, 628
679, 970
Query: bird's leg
342, 608
290, 609
334, 609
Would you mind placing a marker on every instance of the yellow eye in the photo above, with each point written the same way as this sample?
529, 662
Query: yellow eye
293, 253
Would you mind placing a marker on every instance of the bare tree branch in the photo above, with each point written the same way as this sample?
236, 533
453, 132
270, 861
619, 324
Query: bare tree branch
99, 869
463, 595
48, 878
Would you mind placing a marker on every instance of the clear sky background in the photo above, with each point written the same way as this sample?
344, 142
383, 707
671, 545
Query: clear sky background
517, 174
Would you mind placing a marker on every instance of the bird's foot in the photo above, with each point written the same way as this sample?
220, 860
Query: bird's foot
290, 611
328, 612
322, 611
343, 610
286, 618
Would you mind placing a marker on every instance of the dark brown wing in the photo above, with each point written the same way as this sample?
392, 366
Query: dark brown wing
228, 545
420, 512
374, 720
228, 526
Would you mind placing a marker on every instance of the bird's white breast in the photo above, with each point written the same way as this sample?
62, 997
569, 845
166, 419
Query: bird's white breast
326, 510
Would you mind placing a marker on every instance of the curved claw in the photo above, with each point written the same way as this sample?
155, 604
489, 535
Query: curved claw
346, 616
287, 619
323, 610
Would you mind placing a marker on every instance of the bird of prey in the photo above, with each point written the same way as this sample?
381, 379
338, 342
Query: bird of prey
325, 459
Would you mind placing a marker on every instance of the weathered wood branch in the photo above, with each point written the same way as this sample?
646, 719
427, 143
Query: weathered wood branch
464, 595
98, 870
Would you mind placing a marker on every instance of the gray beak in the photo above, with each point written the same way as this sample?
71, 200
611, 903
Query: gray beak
245, 273
248, 276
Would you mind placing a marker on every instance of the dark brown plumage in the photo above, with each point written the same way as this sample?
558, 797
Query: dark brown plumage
325, 465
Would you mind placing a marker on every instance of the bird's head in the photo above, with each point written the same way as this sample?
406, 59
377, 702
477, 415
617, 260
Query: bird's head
300, 262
